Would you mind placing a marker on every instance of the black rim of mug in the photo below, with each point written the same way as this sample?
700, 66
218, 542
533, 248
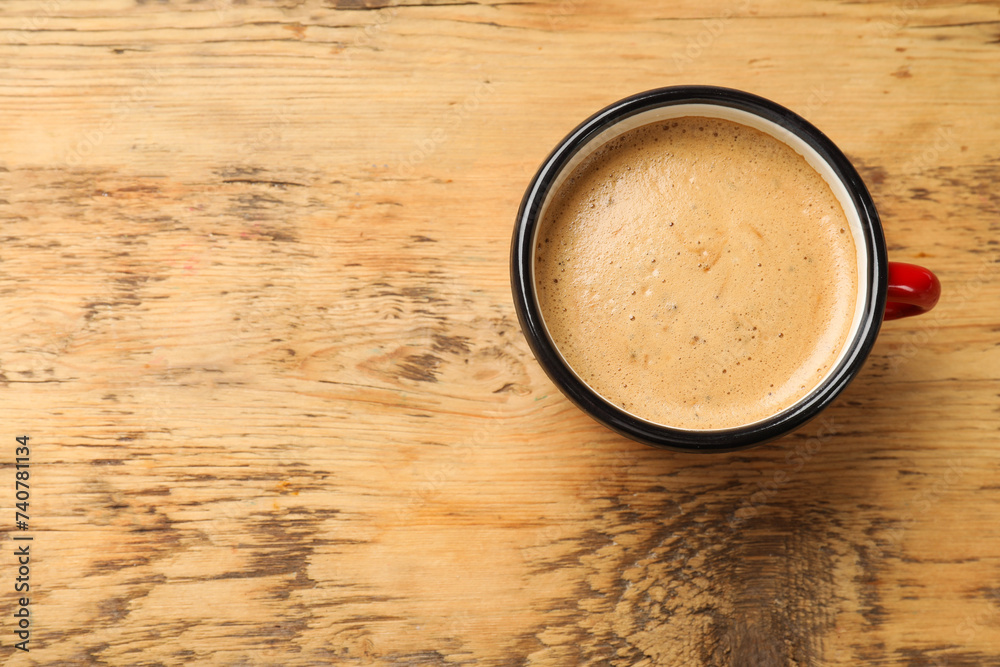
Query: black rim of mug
657, 435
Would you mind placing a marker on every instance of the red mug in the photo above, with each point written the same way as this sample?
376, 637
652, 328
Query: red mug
912, 290
887, 290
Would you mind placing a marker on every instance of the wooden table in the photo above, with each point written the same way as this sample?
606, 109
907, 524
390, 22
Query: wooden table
257, 325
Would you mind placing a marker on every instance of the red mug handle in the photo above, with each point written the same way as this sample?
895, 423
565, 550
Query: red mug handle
912, 290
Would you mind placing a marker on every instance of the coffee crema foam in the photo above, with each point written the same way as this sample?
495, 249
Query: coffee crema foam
697, 273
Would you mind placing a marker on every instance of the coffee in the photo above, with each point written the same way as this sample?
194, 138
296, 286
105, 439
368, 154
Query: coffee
697, 273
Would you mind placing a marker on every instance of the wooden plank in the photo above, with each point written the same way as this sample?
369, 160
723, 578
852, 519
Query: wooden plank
258, 326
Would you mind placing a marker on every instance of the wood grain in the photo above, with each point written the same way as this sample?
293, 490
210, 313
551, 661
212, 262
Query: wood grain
258, 326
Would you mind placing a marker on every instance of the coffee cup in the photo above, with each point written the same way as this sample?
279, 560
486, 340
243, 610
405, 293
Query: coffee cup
701, 269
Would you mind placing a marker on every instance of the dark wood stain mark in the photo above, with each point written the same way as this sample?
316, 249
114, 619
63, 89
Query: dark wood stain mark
945, 655
272, 214
433, 341
450, 344
870, 558
238, 171
420, 367
278, 235
271, 183
153, 535
991, 593
114, 609
281, 545
420, 293
146, 189
871, 174
746, 589
964, 24
776, 579
350, 5
91, 655
137, 280
253, 201
154, 491
94, 308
